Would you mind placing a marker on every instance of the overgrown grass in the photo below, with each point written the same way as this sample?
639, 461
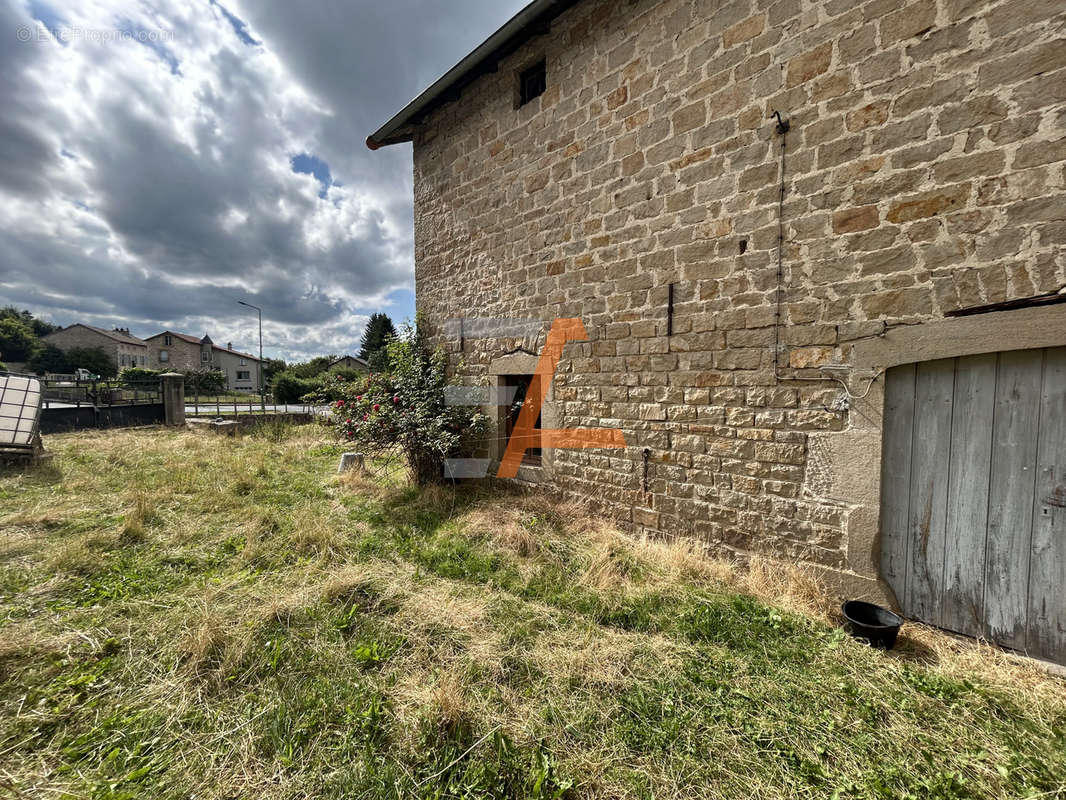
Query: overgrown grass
184, 615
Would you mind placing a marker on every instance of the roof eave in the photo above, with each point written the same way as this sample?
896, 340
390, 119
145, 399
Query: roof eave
528, 22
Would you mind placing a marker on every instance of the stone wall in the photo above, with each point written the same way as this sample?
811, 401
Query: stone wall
923, 174
182, 356
122, 354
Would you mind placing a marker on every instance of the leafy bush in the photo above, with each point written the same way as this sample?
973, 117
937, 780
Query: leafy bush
404, 407
205, 381
3, 367
137, 377
288, 388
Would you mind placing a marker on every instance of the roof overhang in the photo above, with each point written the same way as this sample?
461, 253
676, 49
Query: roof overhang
533, 20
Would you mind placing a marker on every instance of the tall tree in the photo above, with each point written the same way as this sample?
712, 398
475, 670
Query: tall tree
38, 326
50, 359
272, 367
93, 359
17, 340
379, 330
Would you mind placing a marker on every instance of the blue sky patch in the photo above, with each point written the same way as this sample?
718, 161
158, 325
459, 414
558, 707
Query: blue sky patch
307, 164
401, 304
50, 18
240, 27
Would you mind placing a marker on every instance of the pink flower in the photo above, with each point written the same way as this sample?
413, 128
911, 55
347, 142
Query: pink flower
347, 422
359, 397
366, 417
395, 400
377, 407
340, 404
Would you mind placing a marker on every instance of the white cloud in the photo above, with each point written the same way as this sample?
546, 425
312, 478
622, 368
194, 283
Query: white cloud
145, 162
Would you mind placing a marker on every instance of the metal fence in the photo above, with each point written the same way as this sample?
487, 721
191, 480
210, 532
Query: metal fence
205, 397
226, 404
68, 391
64, 395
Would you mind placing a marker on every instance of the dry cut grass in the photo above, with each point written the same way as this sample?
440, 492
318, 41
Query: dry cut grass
186, 615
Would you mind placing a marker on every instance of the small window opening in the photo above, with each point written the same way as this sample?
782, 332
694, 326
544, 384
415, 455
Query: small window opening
520, 383
532, 82
743, 246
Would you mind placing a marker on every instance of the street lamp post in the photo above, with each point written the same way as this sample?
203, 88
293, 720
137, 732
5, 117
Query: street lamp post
259, 368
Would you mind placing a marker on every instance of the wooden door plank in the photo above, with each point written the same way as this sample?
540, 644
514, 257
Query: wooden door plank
1011, 493
961, 605
896, 477
1047, 573
930, 454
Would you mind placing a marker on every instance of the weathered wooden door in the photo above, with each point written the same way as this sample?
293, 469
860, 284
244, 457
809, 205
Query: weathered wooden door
973, 499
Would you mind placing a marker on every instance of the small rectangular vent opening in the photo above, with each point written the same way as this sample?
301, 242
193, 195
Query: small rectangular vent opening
532, 82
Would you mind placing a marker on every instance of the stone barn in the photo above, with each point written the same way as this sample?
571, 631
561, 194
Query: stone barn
817, 247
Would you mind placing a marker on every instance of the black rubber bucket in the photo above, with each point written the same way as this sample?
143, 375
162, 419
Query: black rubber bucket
877, 625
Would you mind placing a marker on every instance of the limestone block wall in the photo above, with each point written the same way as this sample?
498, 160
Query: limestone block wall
923, 173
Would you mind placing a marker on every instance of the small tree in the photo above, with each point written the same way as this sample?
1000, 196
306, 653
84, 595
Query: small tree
50, 359
404, 408
377, 334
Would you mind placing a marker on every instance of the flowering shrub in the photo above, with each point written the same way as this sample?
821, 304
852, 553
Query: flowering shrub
404, 408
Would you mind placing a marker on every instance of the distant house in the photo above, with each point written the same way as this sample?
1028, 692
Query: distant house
350, 362
184, 353
124, 349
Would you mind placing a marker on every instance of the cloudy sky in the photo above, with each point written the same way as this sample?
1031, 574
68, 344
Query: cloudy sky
160, 160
